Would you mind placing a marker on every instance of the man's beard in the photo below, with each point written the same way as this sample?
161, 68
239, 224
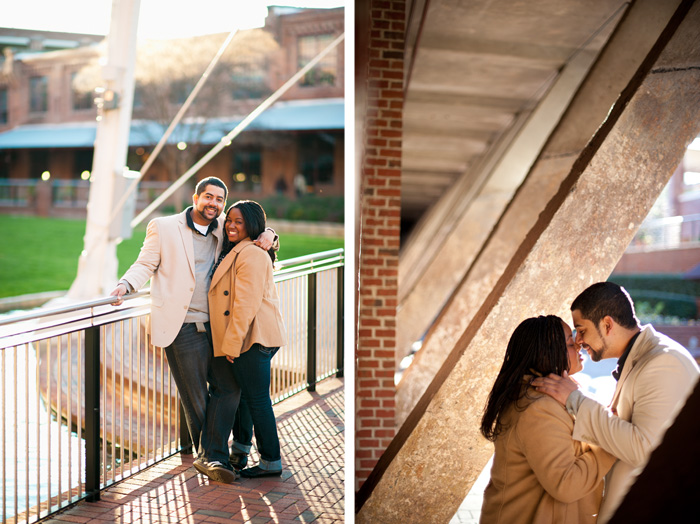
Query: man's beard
598, 354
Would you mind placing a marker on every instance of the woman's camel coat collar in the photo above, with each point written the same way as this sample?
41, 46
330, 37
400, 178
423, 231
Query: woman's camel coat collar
227, 262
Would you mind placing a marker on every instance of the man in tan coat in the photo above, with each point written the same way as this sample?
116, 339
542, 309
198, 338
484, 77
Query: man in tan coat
178, 254
655, 376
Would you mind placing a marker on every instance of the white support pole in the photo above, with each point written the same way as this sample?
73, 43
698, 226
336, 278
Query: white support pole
97, 265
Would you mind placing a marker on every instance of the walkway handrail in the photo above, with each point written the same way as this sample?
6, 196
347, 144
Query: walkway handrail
297, 266
682, 231
78, 306
317, 257
96, 398
308, 264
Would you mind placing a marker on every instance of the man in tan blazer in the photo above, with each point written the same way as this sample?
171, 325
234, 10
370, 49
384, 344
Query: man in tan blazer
178, 254
655, 376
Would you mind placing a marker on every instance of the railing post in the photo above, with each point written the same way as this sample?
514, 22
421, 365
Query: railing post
92, 413
311, 334
340, 347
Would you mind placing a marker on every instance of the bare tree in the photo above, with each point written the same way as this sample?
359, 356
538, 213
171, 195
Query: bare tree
167, 71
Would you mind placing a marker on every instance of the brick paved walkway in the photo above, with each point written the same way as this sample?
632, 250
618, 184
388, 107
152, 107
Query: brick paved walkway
311, 429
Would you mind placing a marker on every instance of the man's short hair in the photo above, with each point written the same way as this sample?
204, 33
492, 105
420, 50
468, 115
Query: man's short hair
606, 299
210, 181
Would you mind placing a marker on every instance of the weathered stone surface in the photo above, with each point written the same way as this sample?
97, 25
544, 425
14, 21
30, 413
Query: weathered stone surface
540, 186
627, 48
472, 70
446, 261
577, 240
474, 67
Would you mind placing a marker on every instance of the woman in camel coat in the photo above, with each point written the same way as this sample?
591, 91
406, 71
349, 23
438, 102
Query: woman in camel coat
247, 330
539, 474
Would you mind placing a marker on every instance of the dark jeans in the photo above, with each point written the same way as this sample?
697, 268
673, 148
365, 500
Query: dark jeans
252, 372
224, 395
188, 358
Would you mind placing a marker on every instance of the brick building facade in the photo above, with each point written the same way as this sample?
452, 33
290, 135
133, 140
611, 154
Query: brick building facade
380, 206
48, 126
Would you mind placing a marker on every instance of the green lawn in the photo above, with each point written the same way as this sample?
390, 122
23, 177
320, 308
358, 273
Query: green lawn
41, 254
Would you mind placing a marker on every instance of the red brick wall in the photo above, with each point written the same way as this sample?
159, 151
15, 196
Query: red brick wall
379, 234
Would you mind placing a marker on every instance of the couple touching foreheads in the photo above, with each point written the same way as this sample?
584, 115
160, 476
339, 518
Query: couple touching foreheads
561, 457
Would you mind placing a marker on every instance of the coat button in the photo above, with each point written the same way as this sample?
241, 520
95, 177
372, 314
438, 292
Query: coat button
225, 293
226, 313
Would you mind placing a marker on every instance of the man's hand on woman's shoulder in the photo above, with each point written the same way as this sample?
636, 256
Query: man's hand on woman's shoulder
266, 239
559, 388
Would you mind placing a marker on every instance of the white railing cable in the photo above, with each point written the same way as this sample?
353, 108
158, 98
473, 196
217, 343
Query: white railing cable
176, 120
226, 141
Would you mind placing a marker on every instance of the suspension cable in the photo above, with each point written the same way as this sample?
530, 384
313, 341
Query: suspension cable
226, 141
173, 124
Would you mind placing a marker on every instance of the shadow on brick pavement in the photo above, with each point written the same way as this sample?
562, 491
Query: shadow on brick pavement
311, 488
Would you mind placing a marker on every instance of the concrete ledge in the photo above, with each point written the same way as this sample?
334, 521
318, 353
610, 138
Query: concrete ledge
28, 301
321, 229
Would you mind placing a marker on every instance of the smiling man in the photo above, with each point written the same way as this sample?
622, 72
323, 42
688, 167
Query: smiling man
654, 377
178, 254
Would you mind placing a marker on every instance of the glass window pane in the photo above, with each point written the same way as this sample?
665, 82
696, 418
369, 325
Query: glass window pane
323, 73
38, 98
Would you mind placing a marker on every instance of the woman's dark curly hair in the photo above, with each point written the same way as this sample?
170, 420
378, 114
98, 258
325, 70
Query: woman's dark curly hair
536, 346
254, 219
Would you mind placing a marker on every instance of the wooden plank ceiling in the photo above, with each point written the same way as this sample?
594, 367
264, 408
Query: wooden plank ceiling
472, 66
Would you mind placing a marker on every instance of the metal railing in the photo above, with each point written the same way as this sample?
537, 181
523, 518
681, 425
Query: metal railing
87, 400
667, 233
17, 193
58, 195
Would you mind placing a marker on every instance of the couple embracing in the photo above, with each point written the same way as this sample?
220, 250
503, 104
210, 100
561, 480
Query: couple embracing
561, 457
215, 312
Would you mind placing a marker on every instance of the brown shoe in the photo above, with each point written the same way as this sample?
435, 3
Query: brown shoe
215, 470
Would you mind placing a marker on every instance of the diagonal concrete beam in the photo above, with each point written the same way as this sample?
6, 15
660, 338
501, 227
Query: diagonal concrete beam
580, 235
424, 291
634, 36
439, 219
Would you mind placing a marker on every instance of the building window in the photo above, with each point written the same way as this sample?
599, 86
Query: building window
316, 158
3, 105
325, 72
138, 96
245, 171
38, 94
691, 167
81, 99
180, 90
38, 162
82, 162
249, 82
6, 162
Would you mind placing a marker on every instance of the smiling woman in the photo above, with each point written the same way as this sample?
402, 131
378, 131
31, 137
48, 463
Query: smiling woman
247, 330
